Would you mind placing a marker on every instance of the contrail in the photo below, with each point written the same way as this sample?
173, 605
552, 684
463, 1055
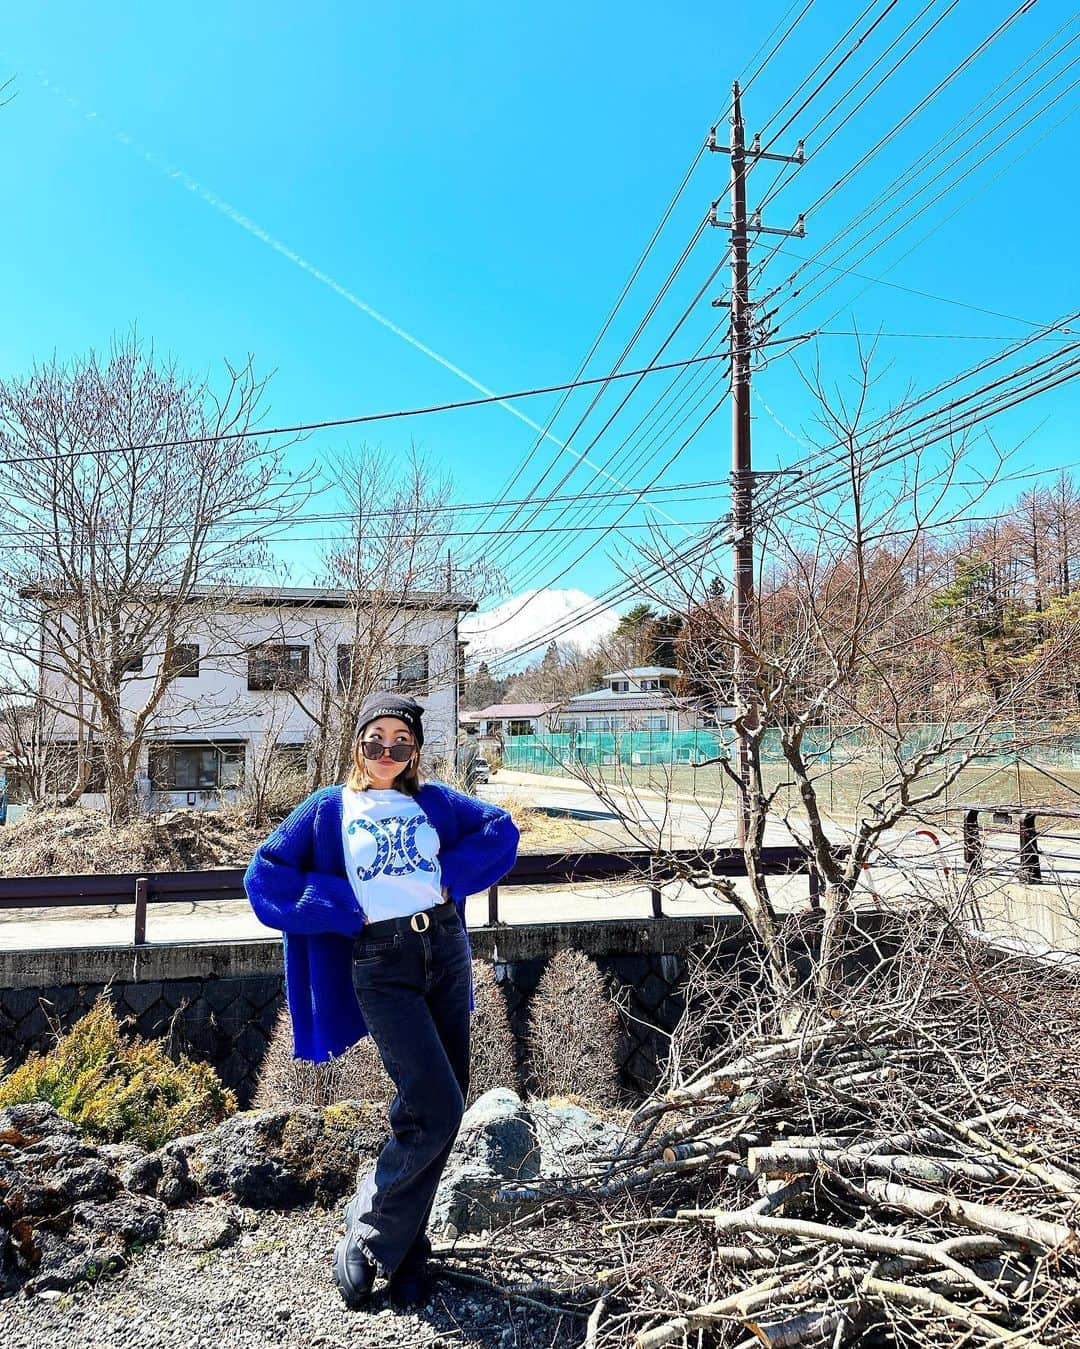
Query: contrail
251, 227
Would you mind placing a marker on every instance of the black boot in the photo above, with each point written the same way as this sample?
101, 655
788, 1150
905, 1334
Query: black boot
410, 1283
354, 1272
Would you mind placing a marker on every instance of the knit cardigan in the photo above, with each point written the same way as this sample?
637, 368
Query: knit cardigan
297, 883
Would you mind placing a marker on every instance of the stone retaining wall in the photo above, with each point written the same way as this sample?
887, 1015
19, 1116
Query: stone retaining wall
220, 1002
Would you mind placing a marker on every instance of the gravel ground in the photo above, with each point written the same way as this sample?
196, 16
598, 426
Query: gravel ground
272, 1286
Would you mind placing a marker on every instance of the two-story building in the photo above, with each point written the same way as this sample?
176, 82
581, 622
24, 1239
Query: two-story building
640, 699
254, 673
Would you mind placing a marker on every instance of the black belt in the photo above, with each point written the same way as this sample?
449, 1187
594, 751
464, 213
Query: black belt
416, 922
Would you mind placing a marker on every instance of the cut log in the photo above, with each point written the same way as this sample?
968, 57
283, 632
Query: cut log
807, 1328
1019, 1227
745, 1221
786, 1161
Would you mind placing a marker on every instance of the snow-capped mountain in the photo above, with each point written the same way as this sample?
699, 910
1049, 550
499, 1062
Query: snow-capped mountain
569, 616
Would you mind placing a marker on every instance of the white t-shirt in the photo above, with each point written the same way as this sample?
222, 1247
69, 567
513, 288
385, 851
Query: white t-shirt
391, 853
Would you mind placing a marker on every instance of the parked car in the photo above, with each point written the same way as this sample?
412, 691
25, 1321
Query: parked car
480, 770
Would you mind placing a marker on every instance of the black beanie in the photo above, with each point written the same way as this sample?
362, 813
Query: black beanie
377, 705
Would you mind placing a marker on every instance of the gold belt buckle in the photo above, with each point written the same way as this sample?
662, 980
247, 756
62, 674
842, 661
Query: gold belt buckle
417, 925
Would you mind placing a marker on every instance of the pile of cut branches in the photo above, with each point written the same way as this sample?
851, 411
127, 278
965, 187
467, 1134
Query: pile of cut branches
904, 1170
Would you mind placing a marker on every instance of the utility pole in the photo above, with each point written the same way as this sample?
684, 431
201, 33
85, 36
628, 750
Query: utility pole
742, 340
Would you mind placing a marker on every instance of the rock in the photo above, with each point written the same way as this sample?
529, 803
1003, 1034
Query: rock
34, 1118
91, 1240
506, 1143
495, 1144
45, 1177
165, 1174
277, 1158
205, 1230
65, 1217
572, 1139
122, 1155
133, 1218
497, 1131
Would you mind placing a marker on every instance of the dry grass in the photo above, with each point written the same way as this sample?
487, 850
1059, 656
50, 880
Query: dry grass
541, 832
78, 842
358, 1074
574, 1032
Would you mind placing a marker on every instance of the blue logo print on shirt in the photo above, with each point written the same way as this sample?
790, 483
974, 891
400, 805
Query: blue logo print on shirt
396, 850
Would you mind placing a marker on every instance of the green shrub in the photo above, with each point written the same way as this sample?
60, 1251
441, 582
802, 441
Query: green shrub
119, 1088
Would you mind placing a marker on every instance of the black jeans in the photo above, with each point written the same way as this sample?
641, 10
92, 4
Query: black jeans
413, 989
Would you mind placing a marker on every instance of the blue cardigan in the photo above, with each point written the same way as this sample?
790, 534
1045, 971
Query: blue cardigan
297, 883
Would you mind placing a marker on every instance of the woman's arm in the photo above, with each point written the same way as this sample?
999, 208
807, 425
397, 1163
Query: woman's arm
287, 894
486, 848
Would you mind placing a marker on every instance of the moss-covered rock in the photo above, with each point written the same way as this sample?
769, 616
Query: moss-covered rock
268, 1158
65, 1217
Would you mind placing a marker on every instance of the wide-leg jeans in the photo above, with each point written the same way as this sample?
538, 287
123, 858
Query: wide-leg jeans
413, 989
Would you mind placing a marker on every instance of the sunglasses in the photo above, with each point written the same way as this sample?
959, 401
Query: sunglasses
372, 749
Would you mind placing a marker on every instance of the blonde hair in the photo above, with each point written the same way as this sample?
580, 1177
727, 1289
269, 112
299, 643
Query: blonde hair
407, 781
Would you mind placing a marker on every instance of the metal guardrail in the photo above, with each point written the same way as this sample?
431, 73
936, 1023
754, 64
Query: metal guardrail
1009, 815
531, 869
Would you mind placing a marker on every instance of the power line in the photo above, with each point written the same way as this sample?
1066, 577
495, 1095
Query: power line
888, 7
798, 492
605, 469
951, 183
909, 290
786, 173
364, 418
946, 410
746, 83
895, 130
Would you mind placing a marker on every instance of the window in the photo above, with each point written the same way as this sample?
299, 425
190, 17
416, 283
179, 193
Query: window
195, 767
409, 671
185, 661
520, 727
620, 686
344, 666
657, 723
276, 667
648, 684
602, 724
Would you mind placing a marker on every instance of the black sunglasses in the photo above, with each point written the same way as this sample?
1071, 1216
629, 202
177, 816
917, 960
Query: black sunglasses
372, 749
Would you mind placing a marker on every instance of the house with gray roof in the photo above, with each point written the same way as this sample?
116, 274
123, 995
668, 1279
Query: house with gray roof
639, 699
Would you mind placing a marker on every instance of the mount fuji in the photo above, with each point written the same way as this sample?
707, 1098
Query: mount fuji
571, 617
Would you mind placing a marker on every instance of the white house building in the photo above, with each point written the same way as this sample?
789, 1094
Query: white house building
641, 699
503, 720
249, 669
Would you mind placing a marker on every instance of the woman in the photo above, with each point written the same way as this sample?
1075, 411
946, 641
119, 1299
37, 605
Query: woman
368, 884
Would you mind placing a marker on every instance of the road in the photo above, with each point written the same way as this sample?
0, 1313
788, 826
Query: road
680, 823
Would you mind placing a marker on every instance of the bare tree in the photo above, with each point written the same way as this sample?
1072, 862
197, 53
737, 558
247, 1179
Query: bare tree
36, 768
392, 564
134, 499
847, 646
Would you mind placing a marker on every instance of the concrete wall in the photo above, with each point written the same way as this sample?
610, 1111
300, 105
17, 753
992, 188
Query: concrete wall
220, 1002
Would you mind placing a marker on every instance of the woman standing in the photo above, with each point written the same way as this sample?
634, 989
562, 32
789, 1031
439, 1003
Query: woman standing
368, 884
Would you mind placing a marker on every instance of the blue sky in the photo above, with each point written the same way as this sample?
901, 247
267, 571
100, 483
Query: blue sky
485, 176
